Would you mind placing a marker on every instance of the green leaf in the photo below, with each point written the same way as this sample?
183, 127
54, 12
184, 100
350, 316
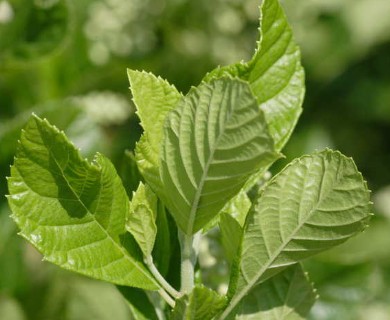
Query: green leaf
201, 304
154, 98
141, 221
129, 173
71, 210
140, 306
214, 140
231, 233
286, 296
162, 250
238, 207
315, 203
231, 223
84, 298
148, 164
275, 73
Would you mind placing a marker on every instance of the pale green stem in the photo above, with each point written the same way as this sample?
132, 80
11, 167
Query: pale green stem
168, 299
189, 247
172, 291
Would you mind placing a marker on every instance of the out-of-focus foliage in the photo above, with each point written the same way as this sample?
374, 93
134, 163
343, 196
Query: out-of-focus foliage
66, 60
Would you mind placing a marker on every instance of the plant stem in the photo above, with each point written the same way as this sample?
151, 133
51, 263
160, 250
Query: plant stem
189, 246
167, 287
168, 299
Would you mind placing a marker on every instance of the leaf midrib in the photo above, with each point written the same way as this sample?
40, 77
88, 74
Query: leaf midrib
121, 249
195, 203
237, 298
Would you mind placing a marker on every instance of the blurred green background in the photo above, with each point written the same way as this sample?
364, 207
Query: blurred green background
67, 60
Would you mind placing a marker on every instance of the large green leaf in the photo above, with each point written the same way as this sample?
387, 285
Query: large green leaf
315, 203
214, 140
141, 221
275, 73
71, 210
74, 297
201, 304
154, 98
286, 296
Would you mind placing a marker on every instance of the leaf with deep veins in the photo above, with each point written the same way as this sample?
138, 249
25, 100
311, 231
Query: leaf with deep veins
201, 304
274, 73
71, 210
315, 203
287, 296
153, 98
214, 140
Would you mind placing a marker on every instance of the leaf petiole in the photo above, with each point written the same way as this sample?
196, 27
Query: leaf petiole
166, 286
168, 299
189, 246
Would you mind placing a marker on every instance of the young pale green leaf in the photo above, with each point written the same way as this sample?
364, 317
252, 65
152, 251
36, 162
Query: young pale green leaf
71, 210
237, 207
154, 98
286, 296
201, 304
231, 223
231, 233
275, 73
315, 203
141, 221
148, 164
214, 140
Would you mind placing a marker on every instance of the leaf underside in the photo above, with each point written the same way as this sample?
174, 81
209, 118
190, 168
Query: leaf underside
214, 140
315, 203
201, 304
71, 210
286, 296
274, 73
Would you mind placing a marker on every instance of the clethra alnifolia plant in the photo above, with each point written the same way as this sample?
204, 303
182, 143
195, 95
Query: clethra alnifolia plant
199, 157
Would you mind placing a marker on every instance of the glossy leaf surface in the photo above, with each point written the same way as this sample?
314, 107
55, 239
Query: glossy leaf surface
73, 211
